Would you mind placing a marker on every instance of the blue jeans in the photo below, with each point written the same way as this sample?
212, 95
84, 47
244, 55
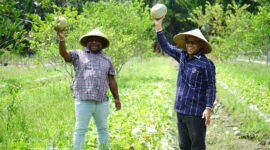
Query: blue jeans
84, 111
191, 131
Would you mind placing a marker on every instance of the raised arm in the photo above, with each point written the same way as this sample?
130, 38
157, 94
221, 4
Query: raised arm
62, 45
164, 44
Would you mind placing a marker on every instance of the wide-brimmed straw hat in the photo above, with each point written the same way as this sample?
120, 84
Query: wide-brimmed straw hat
95, 33
180, 40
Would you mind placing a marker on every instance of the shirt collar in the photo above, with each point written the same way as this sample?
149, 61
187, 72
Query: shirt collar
88, 51
198, 55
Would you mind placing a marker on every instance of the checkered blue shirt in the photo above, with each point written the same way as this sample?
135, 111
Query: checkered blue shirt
196, 81
91, 74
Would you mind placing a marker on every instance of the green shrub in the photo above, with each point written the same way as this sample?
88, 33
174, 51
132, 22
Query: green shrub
127, 25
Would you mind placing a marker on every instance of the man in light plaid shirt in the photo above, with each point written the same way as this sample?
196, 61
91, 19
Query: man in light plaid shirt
94, 75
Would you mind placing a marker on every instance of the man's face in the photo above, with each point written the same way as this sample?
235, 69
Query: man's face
94, 44
193, 45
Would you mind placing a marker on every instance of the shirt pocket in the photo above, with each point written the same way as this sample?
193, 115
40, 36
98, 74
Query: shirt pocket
194, 76
86, 64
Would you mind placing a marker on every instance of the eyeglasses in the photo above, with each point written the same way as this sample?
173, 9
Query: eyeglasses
192, 42
95, 39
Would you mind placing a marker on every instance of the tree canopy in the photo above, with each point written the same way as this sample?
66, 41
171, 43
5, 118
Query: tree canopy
222, 21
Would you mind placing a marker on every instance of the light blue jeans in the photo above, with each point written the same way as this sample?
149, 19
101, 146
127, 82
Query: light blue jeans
84, 111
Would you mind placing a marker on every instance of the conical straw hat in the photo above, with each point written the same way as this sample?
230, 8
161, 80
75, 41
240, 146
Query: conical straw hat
95, 33
180, 40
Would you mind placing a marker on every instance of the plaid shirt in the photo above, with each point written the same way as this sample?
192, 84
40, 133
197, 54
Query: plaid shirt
91, 74
196, 81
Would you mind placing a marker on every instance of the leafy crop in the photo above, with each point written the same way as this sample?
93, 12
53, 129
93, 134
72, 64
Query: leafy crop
251, 91
45, 116
244, 90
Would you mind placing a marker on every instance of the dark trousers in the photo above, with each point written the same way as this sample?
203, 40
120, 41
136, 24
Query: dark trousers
191, 132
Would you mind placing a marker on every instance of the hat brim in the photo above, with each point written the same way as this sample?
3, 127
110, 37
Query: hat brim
180, 41
85, 39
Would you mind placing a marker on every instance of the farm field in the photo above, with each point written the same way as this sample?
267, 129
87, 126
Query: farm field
37, 110
36, 99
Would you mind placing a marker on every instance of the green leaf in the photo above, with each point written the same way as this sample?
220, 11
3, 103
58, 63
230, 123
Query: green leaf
1, 53
10, 46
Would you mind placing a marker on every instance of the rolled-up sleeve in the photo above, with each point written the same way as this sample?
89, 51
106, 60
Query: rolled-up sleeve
74, 56
111, 70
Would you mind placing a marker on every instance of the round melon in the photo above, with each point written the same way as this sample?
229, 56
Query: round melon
158, 10
61, 22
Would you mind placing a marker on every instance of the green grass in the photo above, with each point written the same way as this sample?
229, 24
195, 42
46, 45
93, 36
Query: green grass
249, 82
27, 73
41, 114
241, 88
28, 77
43, 117
257, 72
36, 108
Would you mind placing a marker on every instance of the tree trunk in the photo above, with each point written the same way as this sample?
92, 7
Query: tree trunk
63, 3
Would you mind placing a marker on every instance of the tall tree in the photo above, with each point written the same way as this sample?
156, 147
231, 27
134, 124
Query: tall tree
11, 27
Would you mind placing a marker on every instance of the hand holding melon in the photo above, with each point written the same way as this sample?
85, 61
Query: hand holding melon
60, 24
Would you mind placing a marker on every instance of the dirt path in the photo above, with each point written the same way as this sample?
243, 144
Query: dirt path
252, 61
223, 133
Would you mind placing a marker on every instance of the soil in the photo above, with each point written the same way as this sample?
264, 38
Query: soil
222, 133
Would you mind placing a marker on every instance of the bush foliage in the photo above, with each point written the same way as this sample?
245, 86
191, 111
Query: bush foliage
127, 25
235, 31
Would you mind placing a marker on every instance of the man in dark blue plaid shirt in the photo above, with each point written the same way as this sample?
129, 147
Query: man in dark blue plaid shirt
196, 90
